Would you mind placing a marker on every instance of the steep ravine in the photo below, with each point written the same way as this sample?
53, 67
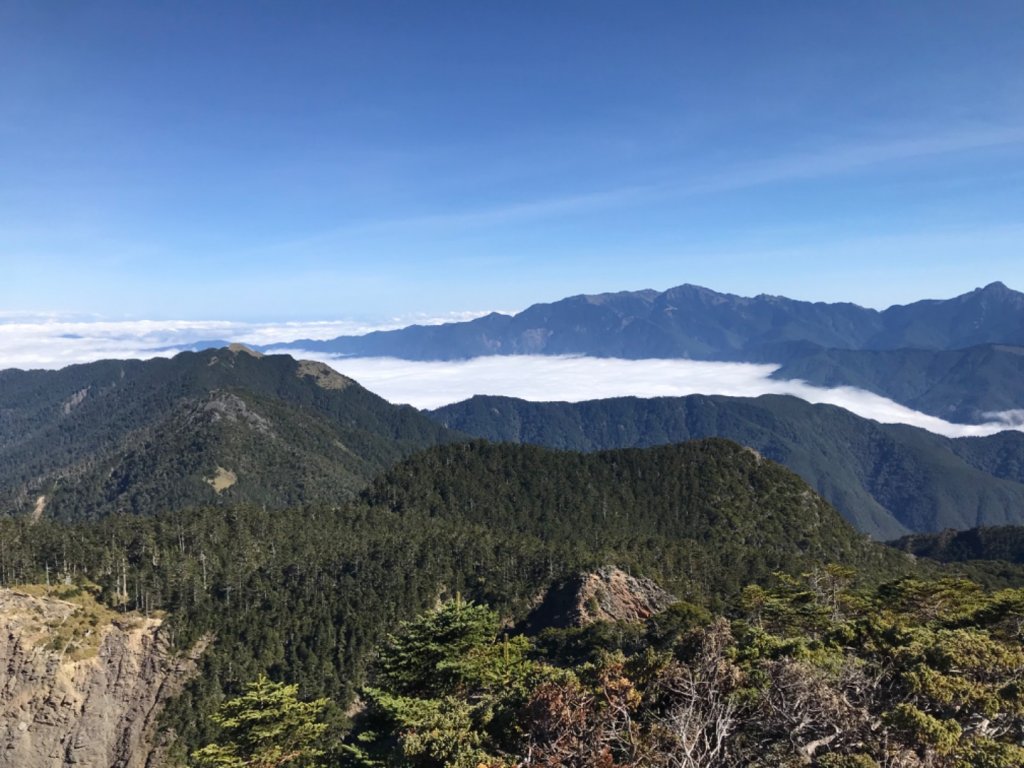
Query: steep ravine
81, 686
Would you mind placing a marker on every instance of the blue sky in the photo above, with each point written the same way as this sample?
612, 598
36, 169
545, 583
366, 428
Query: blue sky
300, 160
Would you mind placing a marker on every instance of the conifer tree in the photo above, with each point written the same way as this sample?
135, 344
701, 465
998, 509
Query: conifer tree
445, 680
266, 727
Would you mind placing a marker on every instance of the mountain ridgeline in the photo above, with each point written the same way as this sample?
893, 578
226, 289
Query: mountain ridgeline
886, 479
959, 359
225, 426
697, 323
220, 426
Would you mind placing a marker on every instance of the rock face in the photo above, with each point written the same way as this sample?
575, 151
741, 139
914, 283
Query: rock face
79, 686
224, 406
324, 376
607, 594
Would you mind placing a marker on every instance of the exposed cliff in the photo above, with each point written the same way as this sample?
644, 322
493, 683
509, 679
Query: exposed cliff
80, 685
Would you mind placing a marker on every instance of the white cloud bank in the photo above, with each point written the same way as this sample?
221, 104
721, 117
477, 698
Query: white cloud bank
550, 378
54, 342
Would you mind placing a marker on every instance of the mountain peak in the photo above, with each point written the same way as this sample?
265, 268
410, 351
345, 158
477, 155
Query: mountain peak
237, 347
996, 288
996, 293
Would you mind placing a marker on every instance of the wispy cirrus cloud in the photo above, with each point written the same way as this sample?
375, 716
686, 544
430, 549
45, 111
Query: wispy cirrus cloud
840, 157
844, 157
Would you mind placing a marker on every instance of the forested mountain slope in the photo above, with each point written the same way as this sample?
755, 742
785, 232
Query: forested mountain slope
219, 426
1001, 455
304, 595
1005, 543
885, 479
960, 385
716, 513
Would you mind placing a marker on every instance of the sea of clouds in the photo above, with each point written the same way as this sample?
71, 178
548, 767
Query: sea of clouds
54, 342
575, 378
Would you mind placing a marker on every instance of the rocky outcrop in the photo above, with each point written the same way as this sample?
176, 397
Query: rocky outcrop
236, 348
79, 685
230, 408
324, 376
607, 594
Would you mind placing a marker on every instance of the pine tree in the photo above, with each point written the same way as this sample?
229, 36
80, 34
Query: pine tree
446, 679
266, 727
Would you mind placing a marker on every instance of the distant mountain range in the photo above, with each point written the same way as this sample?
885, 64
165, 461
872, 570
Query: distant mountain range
960, 359
886, 479
700, 324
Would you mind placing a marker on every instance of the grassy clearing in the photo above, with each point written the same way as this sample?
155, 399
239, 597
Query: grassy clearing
222, 479
75, 634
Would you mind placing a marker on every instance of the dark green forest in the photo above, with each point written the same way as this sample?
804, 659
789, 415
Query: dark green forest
304, 595
224, 427
988, 555
344, 529
886, 479
145, 437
